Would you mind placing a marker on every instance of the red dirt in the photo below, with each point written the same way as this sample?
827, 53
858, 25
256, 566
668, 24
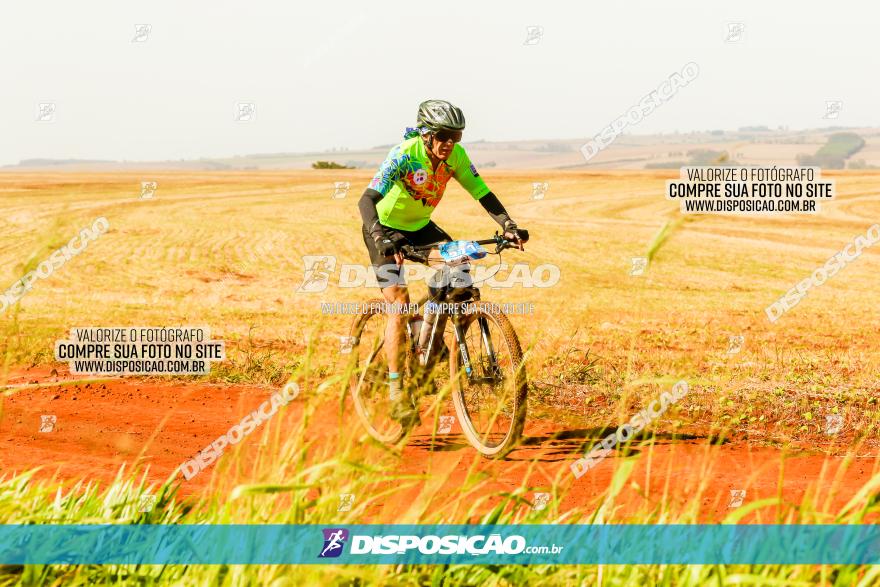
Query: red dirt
102, 425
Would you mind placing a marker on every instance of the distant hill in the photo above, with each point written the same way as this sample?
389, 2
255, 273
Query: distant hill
749, 145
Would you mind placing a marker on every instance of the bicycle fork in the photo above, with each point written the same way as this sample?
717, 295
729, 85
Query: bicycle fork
462, 347
494, 371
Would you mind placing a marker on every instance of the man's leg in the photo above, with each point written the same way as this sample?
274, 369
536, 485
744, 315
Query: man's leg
395, 330
402, 408
393, 287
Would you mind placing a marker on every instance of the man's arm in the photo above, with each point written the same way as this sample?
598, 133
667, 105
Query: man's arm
496, 210
369, 214
493, 206
467, 175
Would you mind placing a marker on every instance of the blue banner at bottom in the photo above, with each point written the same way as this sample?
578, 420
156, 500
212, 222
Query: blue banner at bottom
440, 544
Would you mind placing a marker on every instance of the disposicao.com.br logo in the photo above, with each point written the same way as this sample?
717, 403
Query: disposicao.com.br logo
334, 542
449, 544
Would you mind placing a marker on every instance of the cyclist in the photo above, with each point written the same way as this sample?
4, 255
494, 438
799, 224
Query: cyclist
396, 210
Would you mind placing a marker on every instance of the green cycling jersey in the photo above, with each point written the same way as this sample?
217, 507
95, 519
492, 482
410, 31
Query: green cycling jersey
411, 189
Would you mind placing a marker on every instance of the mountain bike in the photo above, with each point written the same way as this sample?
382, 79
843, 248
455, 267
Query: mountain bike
486, 371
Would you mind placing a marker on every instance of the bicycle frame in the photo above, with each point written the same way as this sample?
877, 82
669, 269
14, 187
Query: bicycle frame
445, 294
439, 326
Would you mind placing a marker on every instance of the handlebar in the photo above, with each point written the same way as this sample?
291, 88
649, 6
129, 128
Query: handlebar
420, 254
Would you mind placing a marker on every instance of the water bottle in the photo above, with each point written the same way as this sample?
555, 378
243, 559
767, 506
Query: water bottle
427, 325
432, 320
415, 327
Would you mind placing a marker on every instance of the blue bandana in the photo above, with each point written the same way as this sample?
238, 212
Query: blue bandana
414, 131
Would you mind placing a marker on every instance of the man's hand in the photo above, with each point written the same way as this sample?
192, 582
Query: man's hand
513, 233
385, 246
388, 247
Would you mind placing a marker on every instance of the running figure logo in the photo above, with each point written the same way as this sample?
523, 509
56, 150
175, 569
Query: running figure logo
317, 274
832, 108
47, 423
735, 344
148, 189
533, 35
539, 188
639, 265
334, 541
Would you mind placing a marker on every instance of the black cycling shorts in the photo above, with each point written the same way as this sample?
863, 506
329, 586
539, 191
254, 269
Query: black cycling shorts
430, 234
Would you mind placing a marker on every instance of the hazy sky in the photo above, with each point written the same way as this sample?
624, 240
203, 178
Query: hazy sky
325, 74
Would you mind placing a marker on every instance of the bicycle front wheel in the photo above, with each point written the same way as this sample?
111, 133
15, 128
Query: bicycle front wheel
490, 389
369, 377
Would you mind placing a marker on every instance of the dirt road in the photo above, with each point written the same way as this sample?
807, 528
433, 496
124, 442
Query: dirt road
101, 425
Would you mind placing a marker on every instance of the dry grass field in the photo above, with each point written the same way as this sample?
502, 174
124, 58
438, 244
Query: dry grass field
226, 250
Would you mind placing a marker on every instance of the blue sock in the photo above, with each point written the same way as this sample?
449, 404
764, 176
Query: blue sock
395, 393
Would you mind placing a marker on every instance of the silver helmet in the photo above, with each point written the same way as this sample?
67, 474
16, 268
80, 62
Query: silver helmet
436, 115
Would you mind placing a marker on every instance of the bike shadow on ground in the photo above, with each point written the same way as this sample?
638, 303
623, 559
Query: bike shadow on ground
561, 445
439, 443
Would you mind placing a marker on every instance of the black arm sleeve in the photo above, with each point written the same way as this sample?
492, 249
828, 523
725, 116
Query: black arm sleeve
367, 206
493, 206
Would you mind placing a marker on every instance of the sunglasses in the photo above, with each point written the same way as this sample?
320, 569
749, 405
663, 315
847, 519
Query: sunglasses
444, 136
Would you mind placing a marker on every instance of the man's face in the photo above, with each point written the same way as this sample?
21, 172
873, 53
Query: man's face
443, 143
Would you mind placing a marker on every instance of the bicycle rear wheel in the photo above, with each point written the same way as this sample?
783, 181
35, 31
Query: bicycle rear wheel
490, 393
